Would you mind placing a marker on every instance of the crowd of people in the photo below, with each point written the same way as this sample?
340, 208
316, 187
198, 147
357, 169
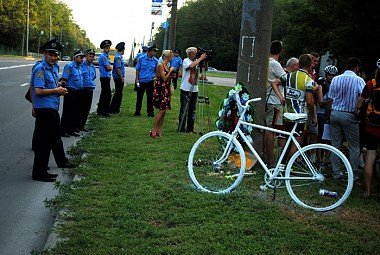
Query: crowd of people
333, 103
77, 83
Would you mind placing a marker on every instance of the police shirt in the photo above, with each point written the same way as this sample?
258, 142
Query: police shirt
147, 68
104, 61
118, 63
89, 76
45, 76
73, 74
176, 62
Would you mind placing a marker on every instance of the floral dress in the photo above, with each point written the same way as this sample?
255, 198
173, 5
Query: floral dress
161, 93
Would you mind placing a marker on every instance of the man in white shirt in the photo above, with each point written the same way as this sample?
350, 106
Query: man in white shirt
273, 110
189, 90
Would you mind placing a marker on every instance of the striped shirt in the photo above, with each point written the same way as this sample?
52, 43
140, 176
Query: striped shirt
296, 85
345, 90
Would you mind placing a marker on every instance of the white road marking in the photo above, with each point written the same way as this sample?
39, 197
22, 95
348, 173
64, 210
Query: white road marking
11, 67
25, 84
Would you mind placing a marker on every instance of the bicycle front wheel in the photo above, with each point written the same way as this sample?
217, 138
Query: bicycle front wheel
313, 181
216, 163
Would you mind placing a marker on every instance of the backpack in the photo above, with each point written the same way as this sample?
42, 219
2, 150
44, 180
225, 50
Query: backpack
373, 109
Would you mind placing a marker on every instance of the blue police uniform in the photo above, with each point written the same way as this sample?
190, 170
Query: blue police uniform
47, 125
176, 63
105, 82
70, 121
89, 85
104, 60
118, 63
147, 71
45, 76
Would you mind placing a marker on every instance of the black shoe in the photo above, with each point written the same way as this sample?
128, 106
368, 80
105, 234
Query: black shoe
150, 115
65, 134
136, 114
181, 130
68, 164
51, 175
191, 131
74, 134
44, 178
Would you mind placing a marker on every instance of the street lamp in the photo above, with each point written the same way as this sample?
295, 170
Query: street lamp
39, 42
27, 30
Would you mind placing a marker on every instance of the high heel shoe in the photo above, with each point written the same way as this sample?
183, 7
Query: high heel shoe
151, 134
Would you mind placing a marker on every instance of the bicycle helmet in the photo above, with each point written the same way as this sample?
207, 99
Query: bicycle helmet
378, 63
330, 69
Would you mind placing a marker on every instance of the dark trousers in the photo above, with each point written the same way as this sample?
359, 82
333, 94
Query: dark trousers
70, 112
174, 80
148, 86
48, 138
189, 101
85, 107
117, 97
105, 96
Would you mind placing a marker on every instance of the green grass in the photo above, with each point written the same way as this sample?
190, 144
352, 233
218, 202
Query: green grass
135, 197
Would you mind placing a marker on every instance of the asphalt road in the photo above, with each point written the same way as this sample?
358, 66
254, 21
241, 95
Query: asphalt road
24, 220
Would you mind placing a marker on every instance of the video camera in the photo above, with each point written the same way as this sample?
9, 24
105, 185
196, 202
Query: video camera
209, 53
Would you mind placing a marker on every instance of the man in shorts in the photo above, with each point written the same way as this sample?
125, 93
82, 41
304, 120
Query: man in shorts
298, 95
273, 109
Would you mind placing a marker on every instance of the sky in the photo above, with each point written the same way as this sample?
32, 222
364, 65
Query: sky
117, 20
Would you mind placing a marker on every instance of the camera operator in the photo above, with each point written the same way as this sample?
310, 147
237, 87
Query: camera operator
189, 89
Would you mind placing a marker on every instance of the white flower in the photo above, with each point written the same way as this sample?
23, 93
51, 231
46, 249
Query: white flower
221, 112
238, 88
217, 123
229, 113
231, 93
226, 102
249, 128
249, 118
245, 97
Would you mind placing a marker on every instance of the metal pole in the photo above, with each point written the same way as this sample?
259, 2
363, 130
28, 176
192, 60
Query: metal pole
50, 21
27, 31
165, 39
173, 25
252, 68
151, 30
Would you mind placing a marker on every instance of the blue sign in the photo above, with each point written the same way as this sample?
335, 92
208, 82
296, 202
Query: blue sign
165, 24
156, 1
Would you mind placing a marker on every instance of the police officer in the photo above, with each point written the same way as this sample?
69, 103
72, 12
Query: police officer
177, 64
89, 76
72, 75
145, 73
46, 92
105, 68
118, 74
140, 54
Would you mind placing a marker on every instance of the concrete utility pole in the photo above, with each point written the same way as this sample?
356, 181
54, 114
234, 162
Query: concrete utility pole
252, 68
173, 25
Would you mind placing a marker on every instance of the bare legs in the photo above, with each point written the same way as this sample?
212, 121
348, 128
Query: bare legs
368, 170
158, 123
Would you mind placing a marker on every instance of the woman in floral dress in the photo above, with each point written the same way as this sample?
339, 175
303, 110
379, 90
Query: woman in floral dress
161, 92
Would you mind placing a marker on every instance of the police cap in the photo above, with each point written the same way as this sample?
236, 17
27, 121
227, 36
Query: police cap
177, 51
144, 48
120, 46
52, 46
79, 53
153, 47
105, 43
90, 51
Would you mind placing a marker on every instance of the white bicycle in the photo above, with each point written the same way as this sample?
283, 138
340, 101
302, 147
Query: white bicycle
310, 182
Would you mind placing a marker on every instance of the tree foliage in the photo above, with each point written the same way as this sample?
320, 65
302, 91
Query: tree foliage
13, 20
344, 28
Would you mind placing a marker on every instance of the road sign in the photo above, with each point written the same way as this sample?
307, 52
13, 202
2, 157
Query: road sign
156, 1
154, 5
156, 11
165, 24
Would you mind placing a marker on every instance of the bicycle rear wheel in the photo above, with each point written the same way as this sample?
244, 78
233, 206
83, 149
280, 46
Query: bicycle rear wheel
214, 166
335, 188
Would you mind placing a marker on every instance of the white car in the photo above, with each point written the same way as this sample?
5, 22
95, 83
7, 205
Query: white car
212, 69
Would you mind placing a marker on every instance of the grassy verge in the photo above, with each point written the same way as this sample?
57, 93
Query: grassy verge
135, 197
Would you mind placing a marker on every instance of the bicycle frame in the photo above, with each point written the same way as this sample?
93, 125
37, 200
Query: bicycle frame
290, 138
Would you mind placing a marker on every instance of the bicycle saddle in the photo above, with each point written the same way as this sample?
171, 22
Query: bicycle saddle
295, 116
